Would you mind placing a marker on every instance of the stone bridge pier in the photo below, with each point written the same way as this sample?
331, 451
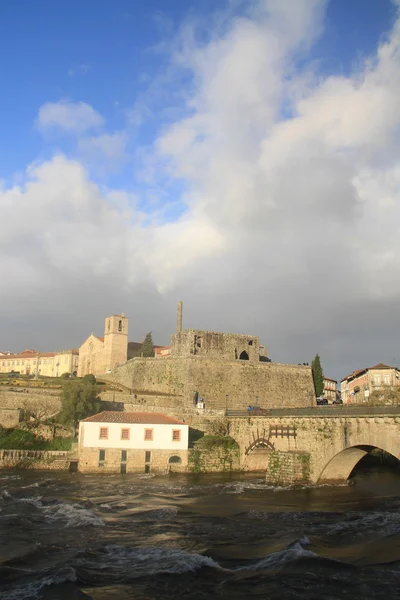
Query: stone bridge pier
313, 448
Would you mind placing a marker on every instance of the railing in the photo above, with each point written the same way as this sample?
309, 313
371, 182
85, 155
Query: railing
39, 454
336, 410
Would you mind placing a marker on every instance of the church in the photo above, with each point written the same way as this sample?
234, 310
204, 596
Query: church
99, 355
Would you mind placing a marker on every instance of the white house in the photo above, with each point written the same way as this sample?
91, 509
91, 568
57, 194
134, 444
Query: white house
122, 442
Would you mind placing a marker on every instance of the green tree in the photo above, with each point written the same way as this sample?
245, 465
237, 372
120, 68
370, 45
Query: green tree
78, 401
89, 378
318, 376
147, 349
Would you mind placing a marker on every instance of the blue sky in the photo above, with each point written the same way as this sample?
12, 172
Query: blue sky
108, 53
241, 156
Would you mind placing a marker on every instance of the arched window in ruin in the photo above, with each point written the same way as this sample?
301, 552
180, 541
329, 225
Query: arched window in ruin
244, 356
175, 460
119, 325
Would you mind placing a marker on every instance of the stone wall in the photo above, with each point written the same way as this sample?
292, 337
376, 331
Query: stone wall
42, 460
221, 456
217, 346
222, 384
136, 461
31, 400
10, 417
287, 468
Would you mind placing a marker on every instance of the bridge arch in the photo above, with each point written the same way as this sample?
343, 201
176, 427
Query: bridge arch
339, 468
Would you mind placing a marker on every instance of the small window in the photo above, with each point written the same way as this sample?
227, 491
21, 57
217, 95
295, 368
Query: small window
147, 456
148, 435
250, 342
175, 460
123, 455
103, 433
119, 325
125, 434
377, 379
102, 455
176, 435
386, 379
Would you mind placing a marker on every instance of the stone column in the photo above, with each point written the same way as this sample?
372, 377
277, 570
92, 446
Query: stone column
179, 317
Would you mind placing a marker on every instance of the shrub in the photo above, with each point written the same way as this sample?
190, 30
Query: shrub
65, 376
89, 379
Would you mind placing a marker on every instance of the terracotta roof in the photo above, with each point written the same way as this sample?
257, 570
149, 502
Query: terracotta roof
380, 366
109, 416
329, 379
30, 354
99, 338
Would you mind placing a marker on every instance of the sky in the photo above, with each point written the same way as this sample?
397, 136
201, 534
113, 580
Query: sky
239, 155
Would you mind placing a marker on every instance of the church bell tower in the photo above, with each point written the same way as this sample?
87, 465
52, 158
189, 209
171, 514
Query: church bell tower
115, 341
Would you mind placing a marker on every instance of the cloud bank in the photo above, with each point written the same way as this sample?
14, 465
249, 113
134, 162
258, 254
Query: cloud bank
289, 193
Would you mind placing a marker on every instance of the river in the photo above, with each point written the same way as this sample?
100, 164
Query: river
66, 536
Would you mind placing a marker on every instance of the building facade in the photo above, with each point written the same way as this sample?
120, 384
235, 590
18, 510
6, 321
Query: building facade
47, 364
357, 387
126, 442
330, 389
99, 355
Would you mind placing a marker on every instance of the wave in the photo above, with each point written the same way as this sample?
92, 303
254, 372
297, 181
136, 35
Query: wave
381, 524
29, 589
119, 564
73, 515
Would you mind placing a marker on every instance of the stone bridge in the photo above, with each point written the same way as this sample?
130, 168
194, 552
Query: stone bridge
315, 445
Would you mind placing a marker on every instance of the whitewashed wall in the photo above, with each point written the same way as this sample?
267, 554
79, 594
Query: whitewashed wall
89, 436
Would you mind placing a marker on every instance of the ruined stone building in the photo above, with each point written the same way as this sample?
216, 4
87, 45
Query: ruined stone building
229, 371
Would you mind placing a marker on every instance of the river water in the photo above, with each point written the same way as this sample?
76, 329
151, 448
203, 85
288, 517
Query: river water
66, 536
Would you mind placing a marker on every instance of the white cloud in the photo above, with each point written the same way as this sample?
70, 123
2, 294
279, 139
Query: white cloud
79, 70
107, 151
68, 116
291, 222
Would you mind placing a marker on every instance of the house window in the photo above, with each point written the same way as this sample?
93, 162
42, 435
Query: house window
147, 456
102, 455
119, 325
148, 435
176, 435
377, 379
386, 379
125, 434
17, 363
123, 455
103, 433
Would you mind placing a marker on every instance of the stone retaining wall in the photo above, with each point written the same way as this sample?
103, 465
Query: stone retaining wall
89, 461
50, 460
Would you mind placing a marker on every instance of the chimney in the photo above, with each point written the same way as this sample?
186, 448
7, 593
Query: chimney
179, 317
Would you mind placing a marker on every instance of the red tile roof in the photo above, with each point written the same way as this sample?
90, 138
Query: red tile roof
109, 416
99, 338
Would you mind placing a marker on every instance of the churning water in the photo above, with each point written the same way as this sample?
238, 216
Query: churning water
70, 536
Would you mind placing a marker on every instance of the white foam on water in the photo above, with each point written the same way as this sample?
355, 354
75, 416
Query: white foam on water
74, 515
127, 563
362, 524
291, 554
31, 590
6, 494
